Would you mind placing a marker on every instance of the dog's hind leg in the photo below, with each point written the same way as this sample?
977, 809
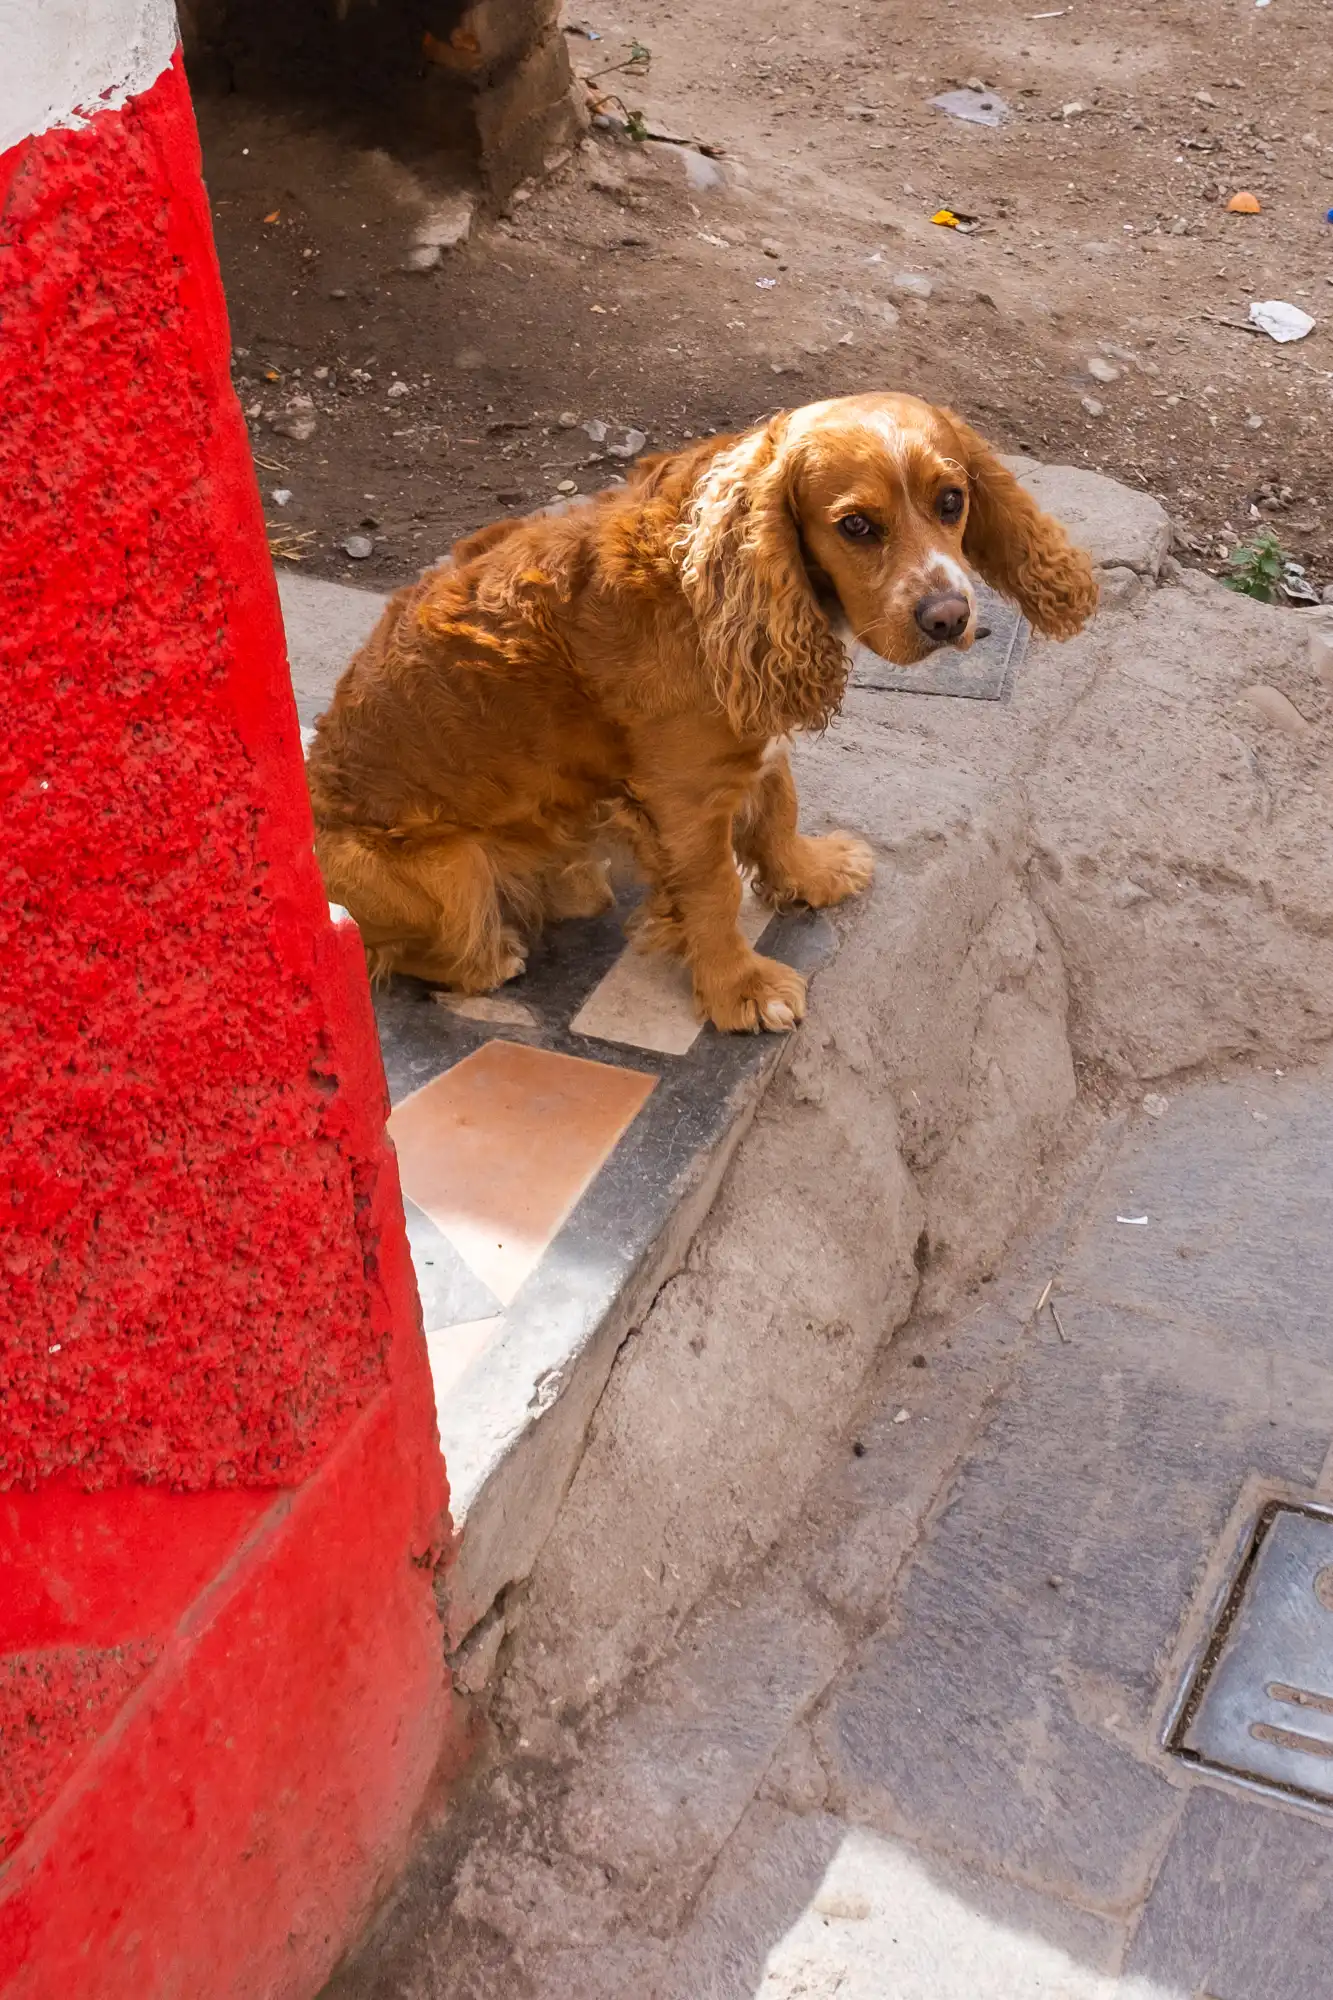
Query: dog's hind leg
431, 909
581, 888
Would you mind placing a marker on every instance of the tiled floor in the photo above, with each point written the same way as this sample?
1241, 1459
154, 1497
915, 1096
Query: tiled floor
555, 1120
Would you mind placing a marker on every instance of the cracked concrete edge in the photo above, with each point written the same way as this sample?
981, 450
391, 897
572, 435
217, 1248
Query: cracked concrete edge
595, 1614
505, 1516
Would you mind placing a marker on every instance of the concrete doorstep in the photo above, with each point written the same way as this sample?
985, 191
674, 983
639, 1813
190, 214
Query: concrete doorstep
774, 1657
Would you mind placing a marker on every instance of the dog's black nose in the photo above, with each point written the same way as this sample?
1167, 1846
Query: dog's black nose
943, 616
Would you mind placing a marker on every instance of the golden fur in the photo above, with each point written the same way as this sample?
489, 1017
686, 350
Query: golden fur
638, 661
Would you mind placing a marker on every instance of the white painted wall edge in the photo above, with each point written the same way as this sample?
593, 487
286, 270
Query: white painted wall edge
63, 60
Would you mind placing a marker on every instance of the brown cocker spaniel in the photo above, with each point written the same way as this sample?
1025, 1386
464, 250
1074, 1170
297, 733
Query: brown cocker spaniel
640, 662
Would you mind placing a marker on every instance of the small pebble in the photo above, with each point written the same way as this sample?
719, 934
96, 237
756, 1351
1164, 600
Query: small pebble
358, 547
567, 419
1054, 1582
902, 1416
770, 247
337, 293
398, 389
1103, 371
914, 283
1092, 406
1156, 1105
567, 486
281, 495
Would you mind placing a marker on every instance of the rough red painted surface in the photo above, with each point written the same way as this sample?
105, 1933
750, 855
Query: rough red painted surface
226, 1835
222, 1688
182, 1286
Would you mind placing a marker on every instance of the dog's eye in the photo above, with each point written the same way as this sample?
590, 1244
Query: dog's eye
856, 527
950, 504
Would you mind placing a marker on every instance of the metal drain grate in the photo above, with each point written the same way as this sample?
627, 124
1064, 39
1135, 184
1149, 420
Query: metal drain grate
983, 673
1261, 1708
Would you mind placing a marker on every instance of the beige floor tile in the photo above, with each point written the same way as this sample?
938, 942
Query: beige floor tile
452, 1350
645, 1001
498, 1150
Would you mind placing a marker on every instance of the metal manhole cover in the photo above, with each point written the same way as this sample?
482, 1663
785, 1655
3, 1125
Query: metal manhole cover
980, 674
1261, 1707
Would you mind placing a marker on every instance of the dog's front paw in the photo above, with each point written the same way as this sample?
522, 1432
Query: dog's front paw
821, 871
765, 995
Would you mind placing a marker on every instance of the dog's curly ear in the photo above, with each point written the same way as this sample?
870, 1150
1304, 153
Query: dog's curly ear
1020, 551
775, 661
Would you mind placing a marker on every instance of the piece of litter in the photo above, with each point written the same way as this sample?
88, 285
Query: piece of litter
902, 1416
1074, 110
1135, 1221
1279, 320
280, 495
974, 107
358, 547
1155, 1105
765, 284
1244, 203
1054, 15
1047, 1289
1059, 1324
1296, 585
954, 218
273, 218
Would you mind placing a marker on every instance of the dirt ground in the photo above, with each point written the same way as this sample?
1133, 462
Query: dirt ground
1096, 316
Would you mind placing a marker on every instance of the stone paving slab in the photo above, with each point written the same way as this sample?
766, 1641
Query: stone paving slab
1233, 1183
808, 1906
1006, 1715
1243, 1906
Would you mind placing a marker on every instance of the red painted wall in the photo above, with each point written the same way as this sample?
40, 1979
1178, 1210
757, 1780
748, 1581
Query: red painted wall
185, 1236
221, 1679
